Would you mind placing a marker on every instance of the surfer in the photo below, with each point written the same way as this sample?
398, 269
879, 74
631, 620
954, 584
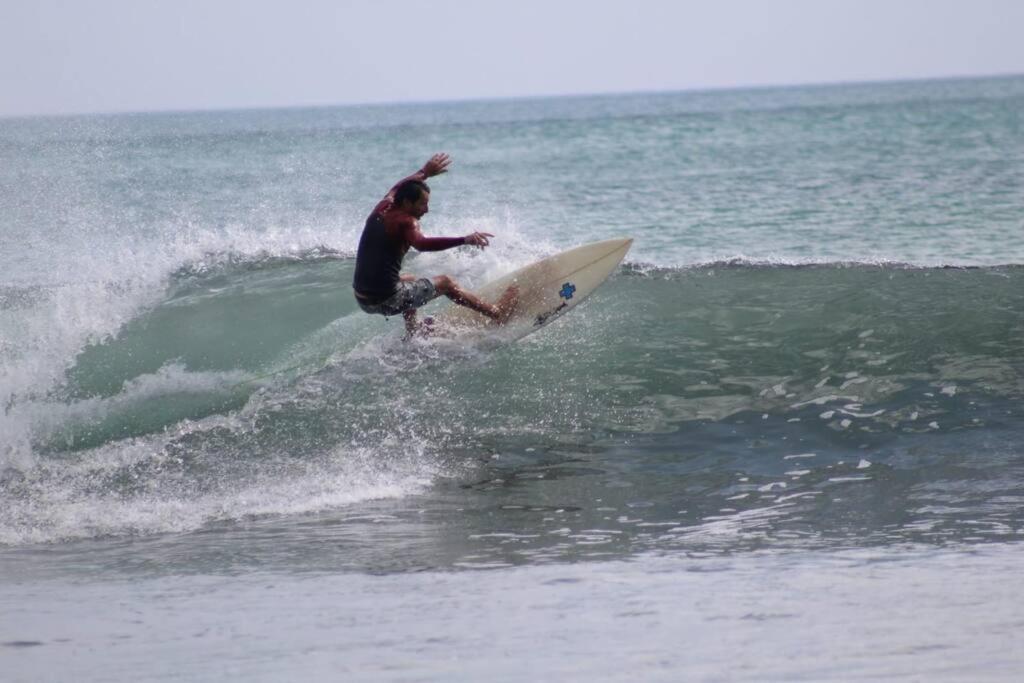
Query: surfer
390, 230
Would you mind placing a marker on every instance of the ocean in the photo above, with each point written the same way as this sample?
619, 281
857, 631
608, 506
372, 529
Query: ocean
782, 442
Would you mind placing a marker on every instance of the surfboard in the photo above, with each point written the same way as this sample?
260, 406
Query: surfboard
548, 289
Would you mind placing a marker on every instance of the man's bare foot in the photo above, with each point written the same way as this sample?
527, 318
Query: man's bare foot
506, 305
422, 328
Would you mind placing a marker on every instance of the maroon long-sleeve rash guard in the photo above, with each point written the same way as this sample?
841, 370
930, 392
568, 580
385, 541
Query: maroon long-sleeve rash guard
386, 238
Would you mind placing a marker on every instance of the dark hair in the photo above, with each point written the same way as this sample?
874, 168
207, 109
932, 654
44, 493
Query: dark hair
410, 191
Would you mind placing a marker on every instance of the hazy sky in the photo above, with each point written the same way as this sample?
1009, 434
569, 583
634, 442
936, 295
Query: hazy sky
129, 55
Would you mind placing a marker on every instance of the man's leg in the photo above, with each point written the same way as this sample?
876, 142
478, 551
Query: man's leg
499, 312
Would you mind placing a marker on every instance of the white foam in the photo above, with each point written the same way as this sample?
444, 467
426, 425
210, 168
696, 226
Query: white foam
173, 378
65, 504
96, 290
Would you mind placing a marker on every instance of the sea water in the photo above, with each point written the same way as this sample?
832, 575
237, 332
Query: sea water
783, 441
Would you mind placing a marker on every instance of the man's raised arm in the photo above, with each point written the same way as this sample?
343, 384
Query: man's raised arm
412, 236
436, 165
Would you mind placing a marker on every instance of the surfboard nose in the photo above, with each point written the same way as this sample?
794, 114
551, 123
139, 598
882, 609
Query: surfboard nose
624, 243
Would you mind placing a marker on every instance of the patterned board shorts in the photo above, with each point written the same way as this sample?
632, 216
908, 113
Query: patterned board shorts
408, 295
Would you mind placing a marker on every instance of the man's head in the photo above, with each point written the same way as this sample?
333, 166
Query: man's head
413, 197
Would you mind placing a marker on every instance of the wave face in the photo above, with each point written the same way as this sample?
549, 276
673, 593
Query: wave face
725, 405
784, 362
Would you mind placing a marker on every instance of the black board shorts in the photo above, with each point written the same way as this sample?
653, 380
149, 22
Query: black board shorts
409, 295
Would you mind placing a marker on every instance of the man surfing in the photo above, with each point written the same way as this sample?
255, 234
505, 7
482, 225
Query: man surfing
390, 230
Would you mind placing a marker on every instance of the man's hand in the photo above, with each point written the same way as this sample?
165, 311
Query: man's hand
437, 165
478, 239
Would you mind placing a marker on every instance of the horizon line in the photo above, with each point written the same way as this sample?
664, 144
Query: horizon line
508, 98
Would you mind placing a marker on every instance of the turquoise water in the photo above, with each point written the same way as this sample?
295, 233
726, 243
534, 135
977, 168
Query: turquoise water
809, 364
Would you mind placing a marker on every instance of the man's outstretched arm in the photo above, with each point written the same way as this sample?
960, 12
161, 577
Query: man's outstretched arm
417, 240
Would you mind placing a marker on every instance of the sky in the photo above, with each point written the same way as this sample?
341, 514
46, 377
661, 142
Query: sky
81, 56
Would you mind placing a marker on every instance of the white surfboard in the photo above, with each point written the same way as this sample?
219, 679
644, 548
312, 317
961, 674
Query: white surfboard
548, 289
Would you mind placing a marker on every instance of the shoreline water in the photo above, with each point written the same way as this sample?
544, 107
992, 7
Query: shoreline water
945, 614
